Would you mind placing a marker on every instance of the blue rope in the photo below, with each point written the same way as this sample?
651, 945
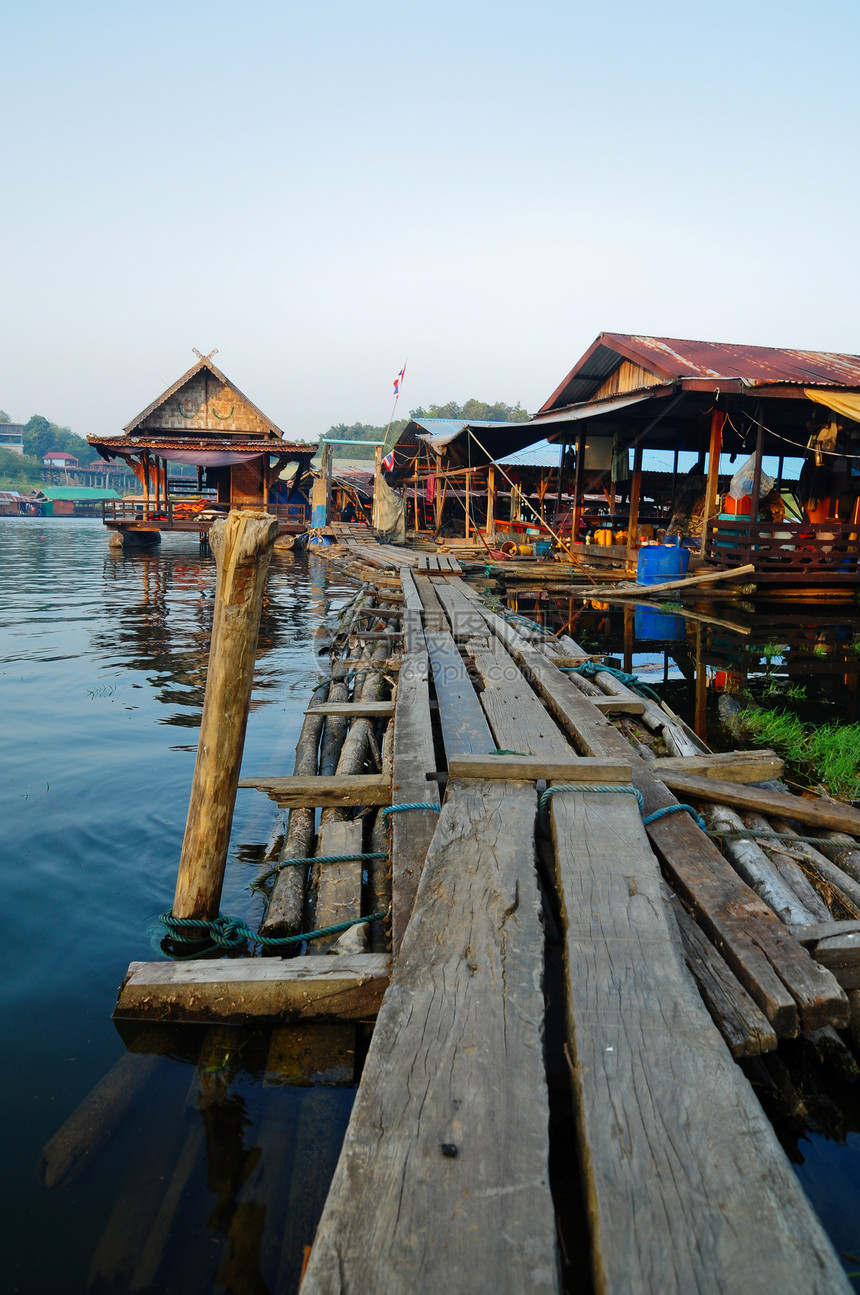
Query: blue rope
232, 933
588, 670
543, 803
414, 804
676, 809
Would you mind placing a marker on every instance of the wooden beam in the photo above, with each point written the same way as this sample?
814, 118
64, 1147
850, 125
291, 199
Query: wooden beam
338, 895
814, 810
732, 766
353, 709
575, 768
686, 1185
447, 1146
618, 705
714, 451
317, 987
325, 791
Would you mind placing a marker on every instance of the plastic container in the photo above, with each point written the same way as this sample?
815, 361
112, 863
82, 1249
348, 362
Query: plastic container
659, 562
542, 548
603, 535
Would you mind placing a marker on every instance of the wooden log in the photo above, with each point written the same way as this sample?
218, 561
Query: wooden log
731, 766
803, 809
842, 850
574, 768
845, 887
336, 790
746, 1029
757, 869
286, 903
338, 885
785, 983
317, 987
459, 1153
789, 869
686, 1185
76, 1145
242, 545
652, 715
379, 871
668, 586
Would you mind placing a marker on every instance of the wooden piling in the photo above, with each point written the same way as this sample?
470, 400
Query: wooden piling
242, 545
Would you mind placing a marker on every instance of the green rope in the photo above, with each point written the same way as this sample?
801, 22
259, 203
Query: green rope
585, 787
317, 858
676, 809
501, 751
750, 835
232, 933
413, 804
588, 670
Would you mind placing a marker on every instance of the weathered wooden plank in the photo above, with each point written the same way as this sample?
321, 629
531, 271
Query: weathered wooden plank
331, 790
518, 719
687, 1187
353, 709
318, 987
414, 758
464, 727
619, 705
803, 809
573, 768
809, 934
338, 891
784, 981
841, 955
454, 1158
732, 766
746, 1029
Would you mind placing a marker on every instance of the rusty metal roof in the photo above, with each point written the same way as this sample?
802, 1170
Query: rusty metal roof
673, 359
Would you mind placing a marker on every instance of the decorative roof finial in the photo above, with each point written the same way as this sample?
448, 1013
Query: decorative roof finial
204, 357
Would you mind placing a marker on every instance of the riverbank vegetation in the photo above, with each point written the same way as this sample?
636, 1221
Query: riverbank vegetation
824, 755
478, 410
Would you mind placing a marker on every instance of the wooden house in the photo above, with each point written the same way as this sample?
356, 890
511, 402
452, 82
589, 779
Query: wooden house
745, 402
204, 420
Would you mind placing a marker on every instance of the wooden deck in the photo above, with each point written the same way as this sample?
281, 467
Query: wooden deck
515, 812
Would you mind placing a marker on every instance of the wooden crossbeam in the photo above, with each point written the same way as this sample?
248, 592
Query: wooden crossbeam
530, 768
325, 791
353, 709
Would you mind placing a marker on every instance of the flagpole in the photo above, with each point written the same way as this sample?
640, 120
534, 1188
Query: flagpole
393, 408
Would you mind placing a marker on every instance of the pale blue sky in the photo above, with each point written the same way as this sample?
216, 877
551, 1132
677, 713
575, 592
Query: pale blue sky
321, 190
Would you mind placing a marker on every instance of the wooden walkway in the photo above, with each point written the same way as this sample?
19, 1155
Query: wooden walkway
506, 800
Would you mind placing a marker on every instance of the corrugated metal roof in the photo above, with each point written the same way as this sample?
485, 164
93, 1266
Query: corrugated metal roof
673, 359
540, 455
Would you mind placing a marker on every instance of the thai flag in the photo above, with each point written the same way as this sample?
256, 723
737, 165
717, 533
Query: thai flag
397, 382
388, 462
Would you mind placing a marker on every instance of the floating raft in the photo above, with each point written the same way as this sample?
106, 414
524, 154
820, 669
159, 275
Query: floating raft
480, 796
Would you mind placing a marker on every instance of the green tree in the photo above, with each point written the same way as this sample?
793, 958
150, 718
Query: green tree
18, 472
40, 436
4, 417
476, 410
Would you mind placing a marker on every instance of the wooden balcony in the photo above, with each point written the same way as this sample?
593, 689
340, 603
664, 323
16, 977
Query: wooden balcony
788, 553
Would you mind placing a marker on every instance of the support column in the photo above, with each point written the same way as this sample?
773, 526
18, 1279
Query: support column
577, 484
377, 477
491, 504
242, 545
560, 493
635, 494
714, 451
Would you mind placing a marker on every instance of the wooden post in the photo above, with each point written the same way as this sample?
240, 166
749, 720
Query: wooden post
577, 485
560, 493
635, 492
377, 477
491, 504
468, 483
716, 445
242, 545
759, 446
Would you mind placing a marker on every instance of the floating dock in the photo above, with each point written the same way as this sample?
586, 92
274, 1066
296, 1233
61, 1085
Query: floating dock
464, 801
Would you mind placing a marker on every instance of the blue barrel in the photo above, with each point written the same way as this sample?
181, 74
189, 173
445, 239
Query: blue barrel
542, 548
657, 625
659, 562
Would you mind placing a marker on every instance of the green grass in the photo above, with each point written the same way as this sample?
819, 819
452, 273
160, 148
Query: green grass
827, 755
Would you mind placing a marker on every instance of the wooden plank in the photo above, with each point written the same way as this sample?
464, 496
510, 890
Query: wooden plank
466, 620
518, 719
782, 979
317, 987
443, 1172
812, 933
325, 791
746, 1030
573, 768
353, 709
732, 766
464, 727
414, 757
841, 955
618, 705
338, 884
815, 811
686, 1185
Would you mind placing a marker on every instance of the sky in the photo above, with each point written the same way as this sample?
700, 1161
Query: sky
325, 190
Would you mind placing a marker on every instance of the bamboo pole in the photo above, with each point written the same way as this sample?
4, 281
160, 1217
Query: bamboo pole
242, 545
715, 448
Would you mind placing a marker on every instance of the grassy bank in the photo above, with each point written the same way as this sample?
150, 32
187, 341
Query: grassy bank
826, 755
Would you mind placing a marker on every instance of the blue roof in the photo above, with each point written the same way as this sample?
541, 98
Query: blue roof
540, 455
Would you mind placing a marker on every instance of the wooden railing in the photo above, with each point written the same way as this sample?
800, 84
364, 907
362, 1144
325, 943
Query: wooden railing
166, 515
783, 552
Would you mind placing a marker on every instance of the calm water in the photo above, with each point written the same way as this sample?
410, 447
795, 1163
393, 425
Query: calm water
102, 667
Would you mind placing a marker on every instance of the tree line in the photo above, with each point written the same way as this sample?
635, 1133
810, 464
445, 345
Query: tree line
474, 410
